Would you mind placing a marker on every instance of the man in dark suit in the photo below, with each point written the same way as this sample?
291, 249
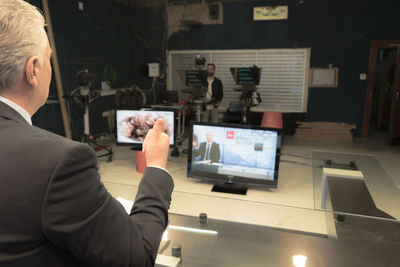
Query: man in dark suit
54, 209
207, 151
213, 96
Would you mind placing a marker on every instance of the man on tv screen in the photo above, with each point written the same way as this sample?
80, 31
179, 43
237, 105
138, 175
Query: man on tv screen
234, 151
208, 151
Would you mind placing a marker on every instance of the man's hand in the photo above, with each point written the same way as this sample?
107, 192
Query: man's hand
156, 145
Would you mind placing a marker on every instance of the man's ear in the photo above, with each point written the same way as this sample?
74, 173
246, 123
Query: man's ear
32, 71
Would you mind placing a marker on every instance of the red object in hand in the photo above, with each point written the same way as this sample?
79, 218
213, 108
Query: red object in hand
140, 161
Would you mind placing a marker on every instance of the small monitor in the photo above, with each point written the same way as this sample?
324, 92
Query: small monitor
246, 75
234, 154
169, 96
195, 77
132, 126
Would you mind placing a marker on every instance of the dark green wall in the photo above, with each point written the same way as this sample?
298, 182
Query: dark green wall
104, 34
338, 32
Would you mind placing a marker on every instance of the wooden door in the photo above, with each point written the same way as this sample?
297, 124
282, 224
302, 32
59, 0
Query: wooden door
394, 121
373, 56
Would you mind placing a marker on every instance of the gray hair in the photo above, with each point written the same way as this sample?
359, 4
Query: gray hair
22, 36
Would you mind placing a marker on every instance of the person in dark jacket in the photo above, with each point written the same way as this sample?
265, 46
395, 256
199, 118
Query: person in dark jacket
55, 211
213, 96
207, 151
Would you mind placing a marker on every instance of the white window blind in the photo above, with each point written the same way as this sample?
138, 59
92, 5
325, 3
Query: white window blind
284, 75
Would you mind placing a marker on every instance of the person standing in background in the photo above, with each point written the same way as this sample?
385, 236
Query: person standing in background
213, 96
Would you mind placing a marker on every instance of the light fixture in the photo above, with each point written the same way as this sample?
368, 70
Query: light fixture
165, 236
299, 260
193, 230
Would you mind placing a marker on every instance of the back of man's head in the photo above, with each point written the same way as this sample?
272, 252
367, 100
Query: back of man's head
22, 36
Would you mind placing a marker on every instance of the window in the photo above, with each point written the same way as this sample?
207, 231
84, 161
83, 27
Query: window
284, 75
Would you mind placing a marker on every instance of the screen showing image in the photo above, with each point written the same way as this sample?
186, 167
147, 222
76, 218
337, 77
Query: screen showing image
195, 77
133, 125
246, 76
237, 152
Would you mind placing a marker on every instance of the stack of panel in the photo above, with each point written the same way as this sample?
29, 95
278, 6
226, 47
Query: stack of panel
325, 131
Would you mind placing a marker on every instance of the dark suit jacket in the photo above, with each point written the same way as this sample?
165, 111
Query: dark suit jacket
55, 211
214, 153
217, 90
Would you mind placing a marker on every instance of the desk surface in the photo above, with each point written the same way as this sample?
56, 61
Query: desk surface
235, 210
361, 242
291, 206
288, 207
384, 192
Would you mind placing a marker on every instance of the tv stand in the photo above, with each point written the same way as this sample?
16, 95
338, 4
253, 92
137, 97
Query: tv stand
229, 188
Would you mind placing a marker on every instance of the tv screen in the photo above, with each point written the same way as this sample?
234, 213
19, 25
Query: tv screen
132, 126
234, 154
246, 76
196, 77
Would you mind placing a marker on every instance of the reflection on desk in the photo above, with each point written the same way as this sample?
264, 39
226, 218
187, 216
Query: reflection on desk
361, 242
265, 227
235, 210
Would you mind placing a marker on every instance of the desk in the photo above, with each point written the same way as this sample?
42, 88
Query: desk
361, 241
289, 207
294, 207
247, 212
383, 190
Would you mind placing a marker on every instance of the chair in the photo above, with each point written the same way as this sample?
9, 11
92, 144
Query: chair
272, 119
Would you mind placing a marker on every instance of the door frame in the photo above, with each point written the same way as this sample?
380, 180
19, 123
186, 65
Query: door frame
393, 136
373, 57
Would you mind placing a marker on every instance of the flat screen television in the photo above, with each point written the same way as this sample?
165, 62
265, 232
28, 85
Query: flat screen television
232, 154
196, 78
246, 75
132, 126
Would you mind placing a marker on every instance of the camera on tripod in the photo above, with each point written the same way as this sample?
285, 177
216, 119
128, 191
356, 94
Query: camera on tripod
248, 78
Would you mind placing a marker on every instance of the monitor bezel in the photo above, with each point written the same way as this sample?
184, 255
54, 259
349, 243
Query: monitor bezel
138, 146
225, 179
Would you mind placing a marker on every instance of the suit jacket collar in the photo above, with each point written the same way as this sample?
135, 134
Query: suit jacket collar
9, 113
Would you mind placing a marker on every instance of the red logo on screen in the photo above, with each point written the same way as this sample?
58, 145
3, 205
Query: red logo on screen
230, 135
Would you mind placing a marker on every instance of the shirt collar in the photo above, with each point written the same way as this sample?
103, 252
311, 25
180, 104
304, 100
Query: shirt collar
18, 109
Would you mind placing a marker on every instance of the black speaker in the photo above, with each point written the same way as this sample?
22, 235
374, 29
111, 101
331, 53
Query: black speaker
213, 11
